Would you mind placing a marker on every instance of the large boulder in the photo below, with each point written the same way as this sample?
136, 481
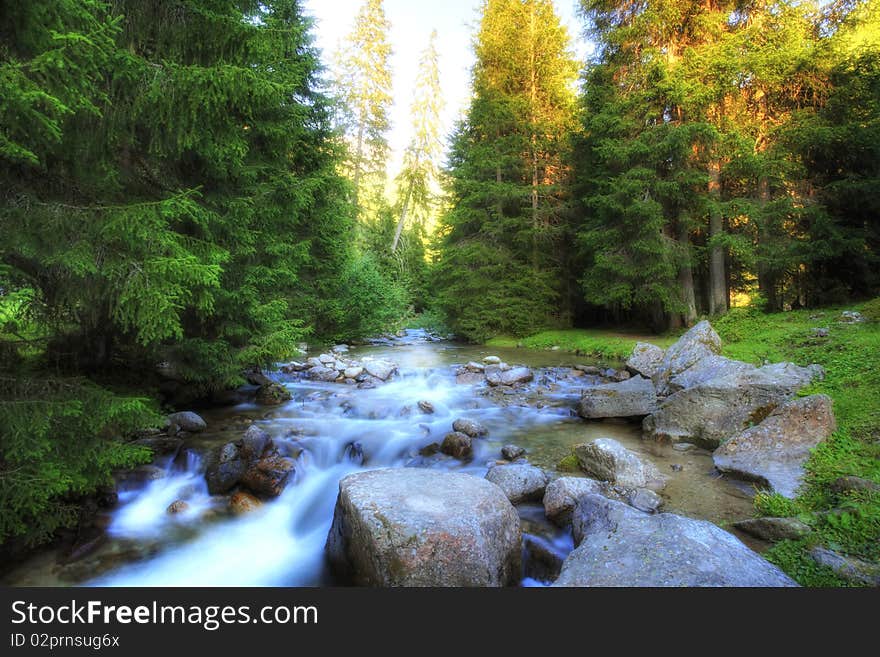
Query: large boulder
521, 482
711, 412
561, 497
774, 452
419, 527
186, 421
607, 460
645, 359
621, 546
706, 369
634, 397
322, 373
699, 342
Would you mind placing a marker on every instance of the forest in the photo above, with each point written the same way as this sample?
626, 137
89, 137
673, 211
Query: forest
190, 190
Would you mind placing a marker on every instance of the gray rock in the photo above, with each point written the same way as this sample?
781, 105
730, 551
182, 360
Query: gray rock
849, 568
645, 359
294, 366
521, 482
340, 349
620, 546
186, 421
225, 469
471, 428
327, 359
253, 443
512, 452
458, 445
706, 369
492, 360
380, 369
314, 362
774, 529
514, 376
475, 367
821, 332
561, 497
851, 317
645, 500
353, 372
774, 452
634, 397
608, 460
711, 412
698, 343
469, 378
325, 374
420, 527
426, 407
493, 374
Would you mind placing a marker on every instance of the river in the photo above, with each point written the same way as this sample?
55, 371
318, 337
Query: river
326, 427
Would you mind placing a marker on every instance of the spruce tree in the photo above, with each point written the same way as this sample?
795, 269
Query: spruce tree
500, 250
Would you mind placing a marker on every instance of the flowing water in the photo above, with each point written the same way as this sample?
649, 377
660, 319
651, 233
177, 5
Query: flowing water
332, 430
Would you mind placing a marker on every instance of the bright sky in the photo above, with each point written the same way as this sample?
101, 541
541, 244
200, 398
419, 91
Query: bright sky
411, 25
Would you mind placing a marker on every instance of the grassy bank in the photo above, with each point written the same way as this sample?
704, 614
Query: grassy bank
593, 343
847, 522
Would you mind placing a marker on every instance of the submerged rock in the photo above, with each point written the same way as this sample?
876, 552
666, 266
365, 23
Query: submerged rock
521, 482
426, 407
775, 451
512, 452
711, 412
242, 502
620, 546
418, 527
645, 359
608, 460
561, 497
634, 397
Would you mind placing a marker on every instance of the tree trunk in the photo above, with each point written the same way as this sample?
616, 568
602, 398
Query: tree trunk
402, 220
359, 154
686, 278
767, 278
718, 302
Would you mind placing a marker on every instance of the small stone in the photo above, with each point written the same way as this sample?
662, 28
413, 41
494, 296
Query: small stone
176, 507
458, 445
683, 447
521, 482
676, 467
186, 421
426, 407
821, 332
512, 452
492, 360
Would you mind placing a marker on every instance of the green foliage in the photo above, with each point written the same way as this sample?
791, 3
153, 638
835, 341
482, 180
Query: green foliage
62, 438
871, 310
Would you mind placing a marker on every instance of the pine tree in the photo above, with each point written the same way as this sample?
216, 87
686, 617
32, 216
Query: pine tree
364, 83
500, 253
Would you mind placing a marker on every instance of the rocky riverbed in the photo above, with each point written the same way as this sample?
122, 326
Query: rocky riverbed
423, 462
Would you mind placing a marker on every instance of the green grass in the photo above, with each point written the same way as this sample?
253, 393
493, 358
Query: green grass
848, 523
593, 343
